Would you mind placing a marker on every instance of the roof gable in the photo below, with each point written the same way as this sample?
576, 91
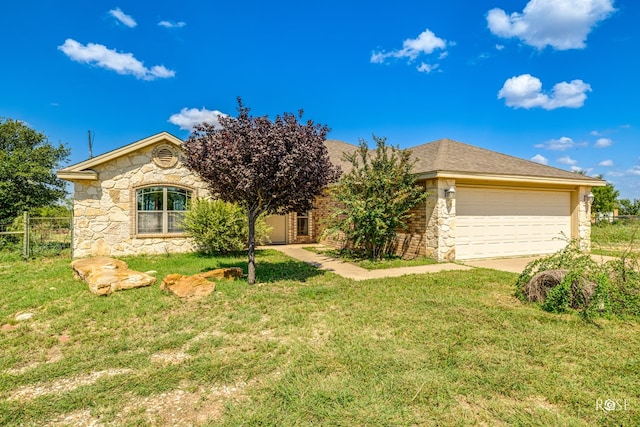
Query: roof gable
83, 170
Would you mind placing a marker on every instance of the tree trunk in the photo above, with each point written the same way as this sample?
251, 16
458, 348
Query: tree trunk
251, 273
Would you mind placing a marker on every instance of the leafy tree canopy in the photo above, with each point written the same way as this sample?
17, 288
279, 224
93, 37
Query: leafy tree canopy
28, 162
375, 197
605, 198
265, 166
628, 207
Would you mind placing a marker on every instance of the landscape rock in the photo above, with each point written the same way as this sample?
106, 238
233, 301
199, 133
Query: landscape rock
198, 285
106, 275
24, 316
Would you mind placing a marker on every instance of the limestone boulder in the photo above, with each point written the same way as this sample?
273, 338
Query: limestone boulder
106, 275
197, 285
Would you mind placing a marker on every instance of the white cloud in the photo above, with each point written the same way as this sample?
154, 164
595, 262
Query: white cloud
561, 144
525, 91
121, 63
171, 24
578, 169
634, 171
566, 160
595, 133
603, 142
123, 18
540, 159
425, 44
427, 68
499, 47
606, 163
187, 118
561, 24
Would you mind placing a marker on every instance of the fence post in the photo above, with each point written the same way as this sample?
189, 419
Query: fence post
25, 248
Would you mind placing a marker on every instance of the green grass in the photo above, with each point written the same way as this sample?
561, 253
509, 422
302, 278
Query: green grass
353, 258
615, 239
304, 347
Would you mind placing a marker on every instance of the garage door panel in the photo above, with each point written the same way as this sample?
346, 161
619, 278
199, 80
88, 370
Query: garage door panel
494, 223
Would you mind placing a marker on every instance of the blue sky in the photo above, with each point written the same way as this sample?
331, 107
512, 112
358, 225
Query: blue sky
550, 80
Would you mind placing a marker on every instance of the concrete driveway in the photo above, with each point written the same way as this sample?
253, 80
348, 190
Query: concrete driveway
517, 264
512, 265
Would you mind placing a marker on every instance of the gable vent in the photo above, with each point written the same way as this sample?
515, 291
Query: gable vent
165, 156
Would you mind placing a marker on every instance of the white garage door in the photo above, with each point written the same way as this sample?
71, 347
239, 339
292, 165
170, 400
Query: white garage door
499, 223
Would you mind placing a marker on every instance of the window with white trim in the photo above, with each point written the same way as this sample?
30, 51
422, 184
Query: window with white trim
302, 219
160, 210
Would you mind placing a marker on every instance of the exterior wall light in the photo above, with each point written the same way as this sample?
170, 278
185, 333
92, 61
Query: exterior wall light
450, 193
589, 198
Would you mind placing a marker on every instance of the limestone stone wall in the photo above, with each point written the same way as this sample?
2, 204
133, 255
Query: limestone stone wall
104, 210
583, 220
441, 221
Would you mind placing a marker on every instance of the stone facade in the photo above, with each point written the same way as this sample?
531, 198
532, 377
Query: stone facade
105, 206
105, 209
583, 220
441, 221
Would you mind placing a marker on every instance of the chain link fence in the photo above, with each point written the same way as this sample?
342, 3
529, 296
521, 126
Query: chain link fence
37, 236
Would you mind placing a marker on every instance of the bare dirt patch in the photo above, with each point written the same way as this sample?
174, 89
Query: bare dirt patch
80, 418
169, 357
63, 385
182, 407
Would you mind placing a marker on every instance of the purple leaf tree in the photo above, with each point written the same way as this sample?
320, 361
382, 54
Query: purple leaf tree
266, 166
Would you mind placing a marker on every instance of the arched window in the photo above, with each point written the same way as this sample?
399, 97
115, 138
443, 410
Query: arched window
160, 210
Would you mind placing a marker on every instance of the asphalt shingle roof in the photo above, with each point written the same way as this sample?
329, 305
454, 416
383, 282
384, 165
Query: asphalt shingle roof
452, 156
446, 155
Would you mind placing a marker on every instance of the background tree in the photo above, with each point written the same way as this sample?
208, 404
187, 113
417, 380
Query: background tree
605, 198
28, 162
265, 166
628, 207
375, 197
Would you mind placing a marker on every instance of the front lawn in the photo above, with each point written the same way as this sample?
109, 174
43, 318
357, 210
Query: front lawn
616, 238
305, 347
369, 264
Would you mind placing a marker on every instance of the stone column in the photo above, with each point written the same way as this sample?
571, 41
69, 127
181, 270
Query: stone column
441, 221
583, 220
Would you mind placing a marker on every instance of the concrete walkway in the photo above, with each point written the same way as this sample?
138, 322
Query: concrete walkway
351, 271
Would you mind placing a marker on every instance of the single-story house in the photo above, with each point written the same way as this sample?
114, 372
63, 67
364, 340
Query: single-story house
482, 203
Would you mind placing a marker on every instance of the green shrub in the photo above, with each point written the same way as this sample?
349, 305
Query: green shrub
375, 198
623, 295
614, 287
571, 258
221, 227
